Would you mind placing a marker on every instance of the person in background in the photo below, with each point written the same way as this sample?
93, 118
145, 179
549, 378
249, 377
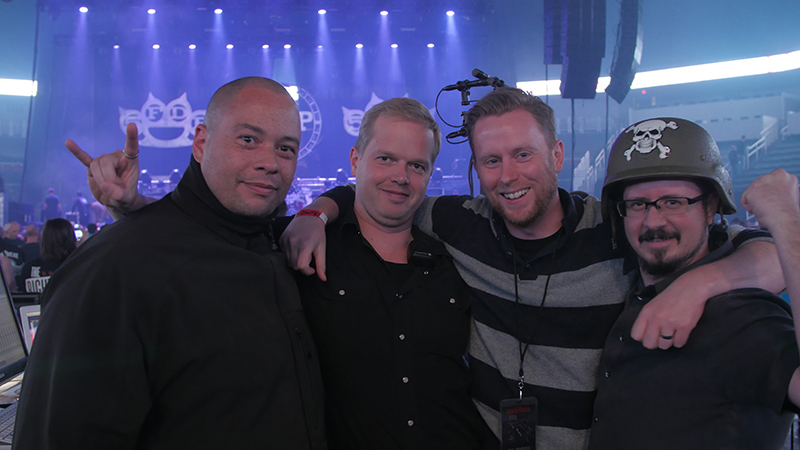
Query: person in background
100, 214
31, 246
57, 243
735, 158
51, 208
81, 206
91, 229
10, 246
11, 233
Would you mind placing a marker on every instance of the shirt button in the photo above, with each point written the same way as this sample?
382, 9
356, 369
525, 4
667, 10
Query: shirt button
596, 420
452, 301
621, 338
607, 374
399, 295
405, 379
402, 337
639, 298
425, 272
411, 423
341, 291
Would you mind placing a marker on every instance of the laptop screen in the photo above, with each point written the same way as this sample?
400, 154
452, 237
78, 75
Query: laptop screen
13, 354
29, 316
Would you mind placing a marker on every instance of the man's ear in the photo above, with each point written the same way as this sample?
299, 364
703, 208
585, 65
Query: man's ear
714, 208
354, 158
558, 153
199, 142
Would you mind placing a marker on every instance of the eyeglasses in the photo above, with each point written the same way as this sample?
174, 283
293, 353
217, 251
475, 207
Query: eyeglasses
666, 205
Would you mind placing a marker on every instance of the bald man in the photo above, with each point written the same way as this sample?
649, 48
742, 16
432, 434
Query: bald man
179, 326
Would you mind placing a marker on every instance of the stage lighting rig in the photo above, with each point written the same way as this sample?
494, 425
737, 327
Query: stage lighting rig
464, 86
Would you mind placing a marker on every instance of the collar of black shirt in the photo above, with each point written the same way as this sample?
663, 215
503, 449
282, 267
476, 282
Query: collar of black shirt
348, 223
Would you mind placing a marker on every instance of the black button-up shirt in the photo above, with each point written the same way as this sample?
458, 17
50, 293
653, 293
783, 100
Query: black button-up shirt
392, 343
726, 388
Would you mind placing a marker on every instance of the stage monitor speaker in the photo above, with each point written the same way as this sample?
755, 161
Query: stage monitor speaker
552, 32
583, 45
628, 52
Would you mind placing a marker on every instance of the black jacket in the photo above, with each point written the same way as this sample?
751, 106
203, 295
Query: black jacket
178, 327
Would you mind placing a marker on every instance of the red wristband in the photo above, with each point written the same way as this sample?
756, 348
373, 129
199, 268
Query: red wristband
312, 212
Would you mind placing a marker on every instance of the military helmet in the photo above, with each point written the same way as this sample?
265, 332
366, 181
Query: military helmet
666, 148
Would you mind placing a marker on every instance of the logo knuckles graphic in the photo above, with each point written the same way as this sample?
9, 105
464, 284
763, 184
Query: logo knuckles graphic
162, 125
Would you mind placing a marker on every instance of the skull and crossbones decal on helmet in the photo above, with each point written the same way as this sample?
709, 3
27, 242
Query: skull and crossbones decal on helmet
646, 137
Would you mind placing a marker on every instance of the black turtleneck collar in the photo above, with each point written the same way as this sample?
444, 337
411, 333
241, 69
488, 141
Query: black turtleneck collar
193, 196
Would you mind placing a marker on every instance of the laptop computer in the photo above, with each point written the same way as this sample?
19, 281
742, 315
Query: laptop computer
13, 356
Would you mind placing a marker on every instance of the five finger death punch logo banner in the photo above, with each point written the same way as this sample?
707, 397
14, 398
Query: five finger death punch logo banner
163, 125
171, 125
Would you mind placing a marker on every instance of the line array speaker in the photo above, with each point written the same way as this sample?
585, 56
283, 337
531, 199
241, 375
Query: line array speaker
552, 32
628, 51
583, 45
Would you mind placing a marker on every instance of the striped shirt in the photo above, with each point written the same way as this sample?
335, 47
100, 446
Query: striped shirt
565, 326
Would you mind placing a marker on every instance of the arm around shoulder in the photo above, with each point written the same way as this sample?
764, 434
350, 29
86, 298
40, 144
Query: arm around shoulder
303, 240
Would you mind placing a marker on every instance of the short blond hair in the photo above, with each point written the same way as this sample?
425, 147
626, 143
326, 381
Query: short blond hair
401, 108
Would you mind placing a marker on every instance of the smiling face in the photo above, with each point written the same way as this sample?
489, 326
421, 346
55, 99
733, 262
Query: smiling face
518, 172
392, 172
667, 243
248, 153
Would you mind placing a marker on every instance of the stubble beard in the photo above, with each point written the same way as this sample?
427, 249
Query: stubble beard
545, 196
659, 266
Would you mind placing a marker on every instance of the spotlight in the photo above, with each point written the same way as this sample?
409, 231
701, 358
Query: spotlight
451, 13
384, 13
430, 45
116, 46
287, 46
359, 45
321, 12
292, 90
151, 11
394, 45
83, 9
229, 46
218, 11
319, 46
265, 46
192, 46
156, 46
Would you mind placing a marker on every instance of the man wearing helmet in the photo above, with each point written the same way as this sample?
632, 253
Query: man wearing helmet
729, 386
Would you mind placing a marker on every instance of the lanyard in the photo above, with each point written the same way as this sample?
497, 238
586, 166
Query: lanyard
524, 350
